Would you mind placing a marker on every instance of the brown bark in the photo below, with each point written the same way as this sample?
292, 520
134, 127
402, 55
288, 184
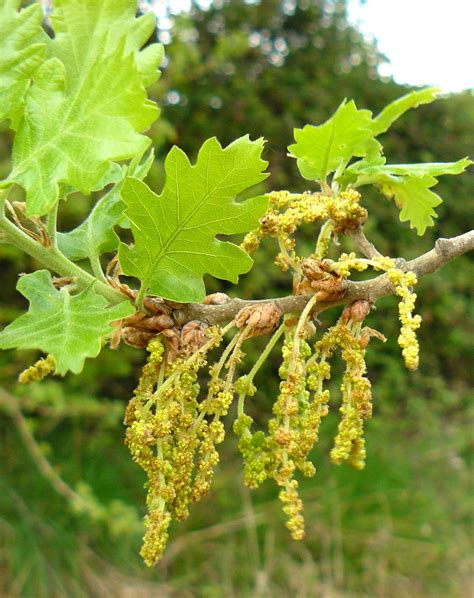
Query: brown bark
371, 290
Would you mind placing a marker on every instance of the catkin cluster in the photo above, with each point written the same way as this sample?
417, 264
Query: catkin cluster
173, 429
287, 212
38, 371
169, 439
303, 402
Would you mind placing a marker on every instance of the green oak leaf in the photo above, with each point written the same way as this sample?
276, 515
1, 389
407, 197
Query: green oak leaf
96, 234
426, 169
323, 149
415, 200
23, 44
87, 106
68, 327
394, 110
376, 172
175, 232
409, 184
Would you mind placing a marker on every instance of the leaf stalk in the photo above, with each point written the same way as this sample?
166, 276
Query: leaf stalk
53, 259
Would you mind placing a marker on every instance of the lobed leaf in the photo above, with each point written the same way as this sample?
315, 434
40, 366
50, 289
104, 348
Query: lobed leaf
374, 173
323, 149
87, 107
175, 232
395, 109
415, 200
21, 52
351, 133
68, 327
96, 234
409, 184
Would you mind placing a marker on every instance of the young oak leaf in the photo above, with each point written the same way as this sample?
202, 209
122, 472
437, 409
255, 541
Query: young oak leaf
349, 133
323, 149
21, 52
395, 109
175, 232
96, 235
68, 327
415, 200
377, 172
408, 184
87, 107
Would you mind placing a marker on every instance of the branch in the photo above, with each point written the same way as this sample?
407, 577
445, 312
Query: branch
53, 259
362, 243
371, 290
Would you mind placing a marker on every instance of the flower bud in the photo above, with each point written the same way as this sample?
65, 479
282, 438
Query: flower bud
260, 318
216, 299
356, 311
193, 337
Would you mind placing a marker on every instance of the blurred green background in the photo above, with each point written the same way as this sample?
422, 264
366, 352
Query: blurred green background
402, 526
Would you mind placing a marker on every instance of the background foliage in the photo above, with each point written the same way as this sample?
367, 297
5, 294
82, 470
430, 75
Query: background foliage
400, 527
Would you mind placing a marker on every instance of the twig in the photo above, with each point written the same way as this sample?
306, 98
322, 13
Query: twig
54, 260
371, 290
362, 243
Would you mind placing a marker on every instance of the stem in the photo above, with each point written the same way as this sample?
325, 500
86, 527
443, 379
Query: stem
258, 364
234, 343
52, 225
54, 260
362, 243
97, 268
192, 358
444, 251
266, 352
161, 374
224, 357
295, 353
324, 238
161, 503
233, 346
293, 263
301, 323
335, 185
314, 357
325, 188
233, 359
140, 298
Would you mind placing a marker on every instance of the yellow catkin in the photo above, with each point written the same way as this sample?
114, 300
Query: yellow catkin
38, 371
177, 454
288, 211
403, 283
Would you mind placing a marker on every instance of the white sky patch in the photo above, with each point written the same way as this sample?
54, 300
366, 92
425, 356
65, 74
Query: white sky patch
428, 42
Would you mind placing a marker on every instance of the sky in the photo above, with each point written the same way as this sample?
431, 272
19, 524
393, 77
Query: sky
428, 42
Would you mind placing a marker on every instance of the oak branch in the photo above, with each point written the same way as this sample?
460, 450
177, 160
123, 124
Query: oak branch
371, 290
